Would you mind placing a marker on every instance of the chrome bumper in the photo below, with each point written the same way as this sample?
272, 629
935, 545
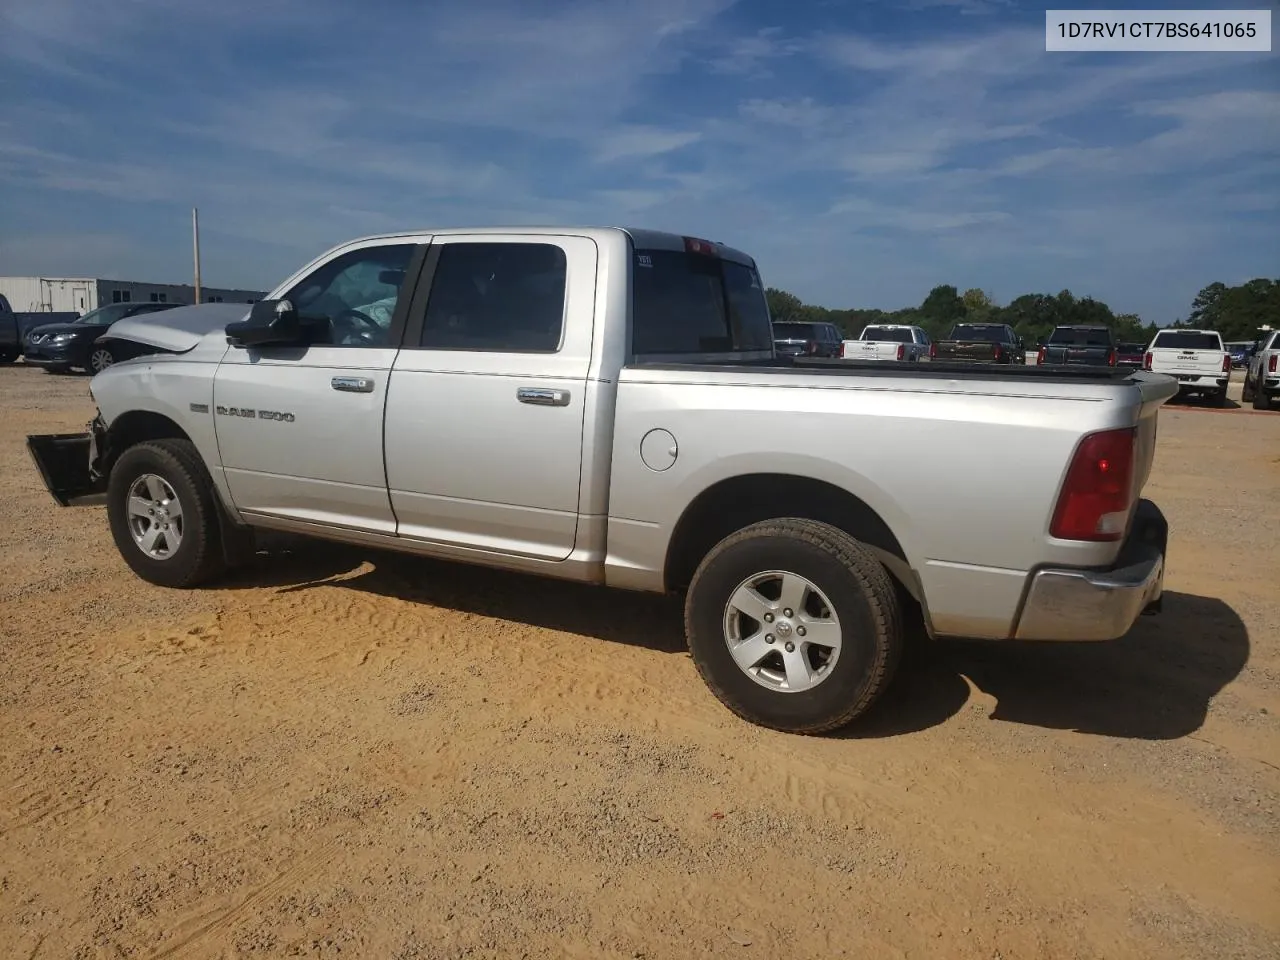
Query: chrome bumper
1100, 604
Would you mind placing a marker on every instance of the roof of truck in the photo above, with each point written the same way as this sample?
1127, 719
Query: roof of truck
642, 238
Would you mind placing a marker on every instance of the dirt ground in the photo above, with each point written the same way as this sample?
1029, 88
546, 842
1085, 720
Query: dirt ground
349, 754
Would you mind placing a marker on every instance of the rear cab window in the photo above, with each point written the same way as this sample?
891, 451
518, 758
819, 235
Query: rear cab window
990, 334
689, 306
1186, 340
888, 334
1097, 337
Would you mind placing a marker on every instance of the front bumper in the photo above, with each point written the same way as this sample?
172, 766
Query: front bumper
69, 465
1064, 604
47, 354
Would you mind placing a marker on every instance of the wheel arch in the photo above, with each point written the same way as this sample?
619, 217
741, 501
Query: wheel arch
736, 502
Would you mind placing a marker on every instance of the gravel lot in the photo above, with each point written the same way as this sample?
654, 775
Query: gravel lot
349, 754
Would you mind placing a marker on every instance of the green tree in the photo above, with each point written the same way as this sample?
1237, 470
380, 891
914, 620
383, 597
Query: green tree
782, 305
977, 304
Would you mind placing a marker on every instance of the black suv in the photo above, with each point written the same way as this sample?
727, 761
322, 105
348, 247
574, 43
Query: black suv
60, 346
794, 339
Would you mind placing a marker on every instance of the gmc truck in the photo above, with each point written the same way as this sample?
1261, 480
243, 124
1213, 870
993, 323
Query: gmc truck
1196, 359
606, 406
888, 341
1262, 379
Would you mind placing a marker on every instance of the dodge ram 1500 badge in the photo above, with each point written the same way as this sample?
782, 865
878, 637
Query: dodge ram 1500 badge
605, 405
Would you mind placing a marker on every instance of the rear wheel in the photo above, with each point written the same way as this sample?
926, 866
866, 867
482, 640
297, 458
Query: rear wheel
163, 516
1220, 398
794, 625
1261, 399
1246, 390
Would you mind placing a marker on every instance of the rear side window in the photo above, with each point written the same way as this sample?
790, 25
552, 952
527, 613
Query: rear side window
498, 297
1186, 340
1081, 338
687, 303
888, 334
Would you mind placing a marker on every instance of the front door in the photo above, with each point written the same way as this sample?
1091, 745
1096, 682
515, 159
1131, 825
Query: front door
485, 412
300, 428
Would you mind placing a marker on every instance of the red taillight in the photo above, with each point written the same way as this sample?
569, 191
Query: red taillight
1271, 364
933, 351
1098, 491
1040, 356
1226, 363
902, 351
1111, 359
844, 350
1146, 362
999, 354
705, 247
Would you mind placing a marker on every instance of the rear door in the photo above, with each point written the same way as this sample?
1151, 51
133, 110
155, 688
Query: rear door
485, 411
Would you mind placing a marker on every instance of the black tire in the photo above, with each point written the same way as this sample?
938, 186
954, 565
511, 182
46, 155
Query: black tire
98, 359
1246, 390
198, 557
1261, 399
1220, 398
861, 595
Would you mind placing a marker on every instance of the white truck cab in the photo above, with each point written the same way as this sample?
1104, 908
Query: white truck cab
888, 341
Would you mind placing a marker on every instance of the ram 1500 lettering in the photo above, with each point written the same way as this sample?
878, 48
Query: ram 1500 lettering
606, 405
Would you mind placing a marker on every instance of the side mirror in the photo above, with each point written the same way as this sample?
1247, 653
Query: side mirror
269, 321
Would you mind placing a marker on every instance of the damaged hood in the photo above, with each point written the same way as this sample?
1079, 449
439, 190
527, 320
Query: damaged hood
179, 329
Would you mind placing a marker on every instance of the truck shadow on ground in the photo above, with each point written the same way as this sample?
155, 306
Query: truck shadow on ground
1153, 684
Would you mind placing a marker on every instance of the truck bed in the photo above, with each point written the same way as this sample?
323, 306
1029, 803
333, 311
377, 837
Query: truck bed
934, 370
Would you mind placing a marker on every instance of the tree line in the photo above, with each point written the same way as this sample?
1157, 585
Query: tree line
1236, 312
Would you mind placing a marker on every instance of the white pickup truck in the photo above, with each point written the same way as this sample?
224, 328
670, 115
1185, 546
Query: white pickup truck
888, 341
1196, 359
605, 405
1262, 378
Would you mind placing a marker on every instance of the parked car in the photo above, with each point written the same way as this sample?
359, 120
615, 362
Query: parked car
10, 339
981, 343
792, 338
1094, 346
1262, 379
59, 347
1195, 358
888, 341
1130, 354
1240, 354
639, 431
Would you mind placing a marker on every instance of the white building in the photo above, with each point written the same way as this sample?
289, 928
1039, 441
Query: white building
82, 294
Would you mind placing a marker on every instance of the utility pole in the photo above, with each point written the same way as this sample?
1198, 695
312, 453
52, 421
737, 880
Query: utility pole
195, 242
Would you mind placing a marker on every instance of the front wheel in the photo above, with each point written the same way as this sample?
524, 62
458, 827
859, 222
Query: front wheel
794, 625
99, 359
163, 516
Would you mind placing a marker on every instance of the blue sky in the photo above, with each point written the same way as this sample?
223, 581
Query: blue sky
862, 151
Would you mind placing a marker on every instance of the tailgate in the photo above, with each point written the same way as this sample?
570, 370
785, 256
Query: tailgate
1205, 363
979, 351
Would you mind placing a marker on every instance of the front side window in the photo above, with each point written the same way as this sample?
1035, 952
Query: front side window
497, 297
349, 301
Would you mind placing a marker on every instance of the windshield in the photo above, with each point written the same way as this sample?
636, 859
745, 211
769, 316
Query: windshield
105, 316
967, 331
795, 331
687, 303
1096, 337
887, 334
1187, 340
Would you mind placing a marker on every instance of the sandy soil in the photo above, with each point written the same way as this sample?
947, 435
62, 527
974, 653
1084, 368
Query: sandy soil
347, 754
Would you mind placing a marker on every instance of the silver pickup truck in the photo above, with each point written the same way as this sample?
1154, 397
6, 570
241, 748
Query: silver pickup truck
605, 405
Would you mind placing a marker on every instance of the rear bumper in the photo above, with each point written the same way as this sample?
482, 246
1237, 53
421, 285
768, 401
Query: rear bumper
1063, 604
67, 464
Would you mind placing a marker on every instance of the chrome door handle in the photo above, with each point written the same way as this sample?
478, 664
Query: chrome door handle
543, 396
352, 384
